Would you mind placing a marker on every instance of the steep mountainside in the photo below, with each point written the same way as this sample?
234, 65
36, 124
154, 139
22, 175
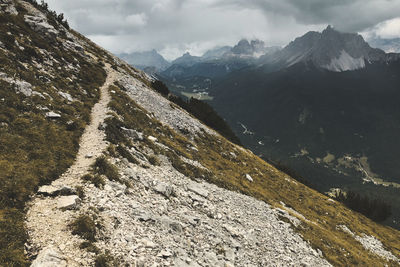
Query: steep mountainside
99, 169
336, 129
330, 118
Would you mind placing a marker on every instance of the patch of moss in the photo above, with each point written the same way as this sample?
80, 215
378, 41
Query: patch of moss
95, 179
90, 247
105, 260
154, 160
85, 227
102, 167
126, 154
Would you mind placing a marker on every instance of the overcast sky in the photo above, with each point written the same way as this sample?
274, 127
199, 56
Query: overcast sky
173, 27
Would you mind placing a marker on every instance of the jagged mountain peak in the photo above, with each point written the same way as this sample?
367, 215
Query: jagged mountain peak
186, 60
330, 49
254, 48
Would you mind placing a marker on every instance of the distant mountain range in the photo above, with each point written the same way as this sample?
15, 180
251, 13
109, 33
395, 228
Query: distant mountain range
226, 57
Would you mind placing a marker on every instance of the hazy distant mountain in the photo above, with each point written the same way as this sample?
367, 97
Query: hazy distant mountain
146, 59
216, 53
186, 60
215, 63
331, 50
254, 48
388, 45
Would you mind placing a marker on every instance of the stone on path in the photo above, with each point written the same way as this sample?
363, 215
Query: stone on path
68, 202
49, 257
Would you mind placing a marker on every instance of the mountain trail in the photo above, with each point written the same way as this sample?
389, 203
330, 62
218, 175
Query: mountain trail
48, 217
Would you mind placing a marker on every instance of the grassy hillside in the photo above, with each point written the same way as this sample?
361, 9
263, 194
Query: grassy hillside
36, 149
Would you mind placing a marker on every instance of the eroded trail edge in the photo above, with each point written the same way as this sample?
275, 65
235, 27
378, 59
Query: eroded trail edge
48, 216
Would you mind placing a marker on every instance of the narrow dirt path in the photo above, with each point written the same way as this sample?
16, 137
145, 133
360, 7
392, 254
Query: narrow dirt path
92, 142
47, 225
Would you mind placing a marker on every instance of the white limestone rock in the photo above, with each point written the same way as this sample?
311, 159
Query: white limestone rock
53, 115
50, 257
248, 177
7, 7
152, 138
164, 189
198, 189
68, 202
40, 24
135, 135
66, 96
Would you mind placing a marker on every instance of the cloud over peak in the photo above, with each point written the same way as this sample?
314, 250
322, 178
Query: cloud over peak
176, 26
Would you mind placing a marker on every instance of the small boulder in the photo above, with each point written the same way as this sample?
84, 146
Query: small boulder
23, 87
165, 253
152, 138
148, 243
48, 190
68, 202
53, 115
232, 231
66, 96
164, 189
135, 135
66, 191
40, 24
198, 189
248, 177
49, 257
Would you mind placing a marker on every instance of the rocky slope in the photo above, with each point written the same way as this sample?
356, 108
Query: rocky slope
150, 185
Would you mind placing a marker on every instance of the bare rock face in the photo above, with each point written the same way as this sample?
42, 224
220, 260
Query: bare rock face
40, 24
49, 257
7, 7
22, 87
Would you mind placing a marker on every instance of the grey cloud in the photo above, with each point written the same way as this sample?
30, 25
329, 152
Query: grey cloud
347, 15
196, 25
